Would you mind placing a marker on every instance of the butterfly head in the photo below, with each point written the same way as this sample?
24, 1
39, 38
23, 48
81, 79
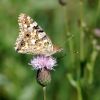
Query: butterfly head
56, 49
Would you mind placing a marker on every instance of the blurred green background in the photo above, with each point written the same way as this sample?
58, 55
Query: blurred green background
71, 24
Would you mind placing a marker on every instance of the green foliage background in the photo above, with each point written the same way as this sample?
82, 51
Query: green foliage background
71, 26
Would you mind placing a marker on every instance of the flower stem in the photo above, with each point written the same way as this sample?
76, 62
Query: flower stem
97, 12
81, 32
69, 36
90, 68
79, 93
44, 92
76, 85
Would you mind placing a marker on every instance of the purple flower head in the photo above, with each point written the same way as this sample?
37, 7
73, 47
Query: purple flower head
97, 32
42, 61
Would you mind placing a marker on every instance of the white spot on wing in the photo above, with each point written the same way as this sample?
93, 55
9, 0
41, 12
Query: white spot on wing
33, 41
41, 34
25, 25
33, 24
28, 18
30, 29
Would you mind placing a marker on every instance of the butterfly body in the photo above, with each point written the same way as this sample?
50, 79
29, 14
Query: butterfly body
32, 39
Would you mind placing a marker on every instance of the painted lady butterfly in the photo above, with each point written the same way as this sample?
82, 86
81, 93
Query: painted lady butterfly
32, 39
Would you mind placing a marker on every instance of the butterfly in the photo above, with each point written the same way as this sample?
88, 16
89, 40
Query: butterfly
32, 39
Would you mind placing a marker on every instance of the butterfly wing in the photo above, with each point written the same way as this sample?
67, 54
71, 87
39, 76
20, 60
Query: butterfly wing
32, 39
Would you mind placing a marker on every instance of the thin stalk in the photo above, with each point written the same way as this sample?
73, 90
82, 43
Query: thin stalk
44, 93
81, 56
90, 68
81, 32
76, 85
79, 93
97, 12
69, 36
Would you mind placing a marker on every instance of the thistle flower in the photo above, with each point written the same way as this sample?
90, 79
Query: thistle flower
43, 65
42, 61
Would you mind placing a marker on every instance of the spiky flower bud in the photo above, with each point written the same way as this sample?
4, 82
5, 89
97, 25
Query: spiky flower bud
43, 77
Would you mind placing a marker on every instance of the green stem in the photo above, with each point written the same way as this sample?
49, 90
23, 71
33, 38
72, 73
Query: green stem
71, 48
69, 36
76, 85
90, 67
97, 12
79, 93
44, 92
81, 32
